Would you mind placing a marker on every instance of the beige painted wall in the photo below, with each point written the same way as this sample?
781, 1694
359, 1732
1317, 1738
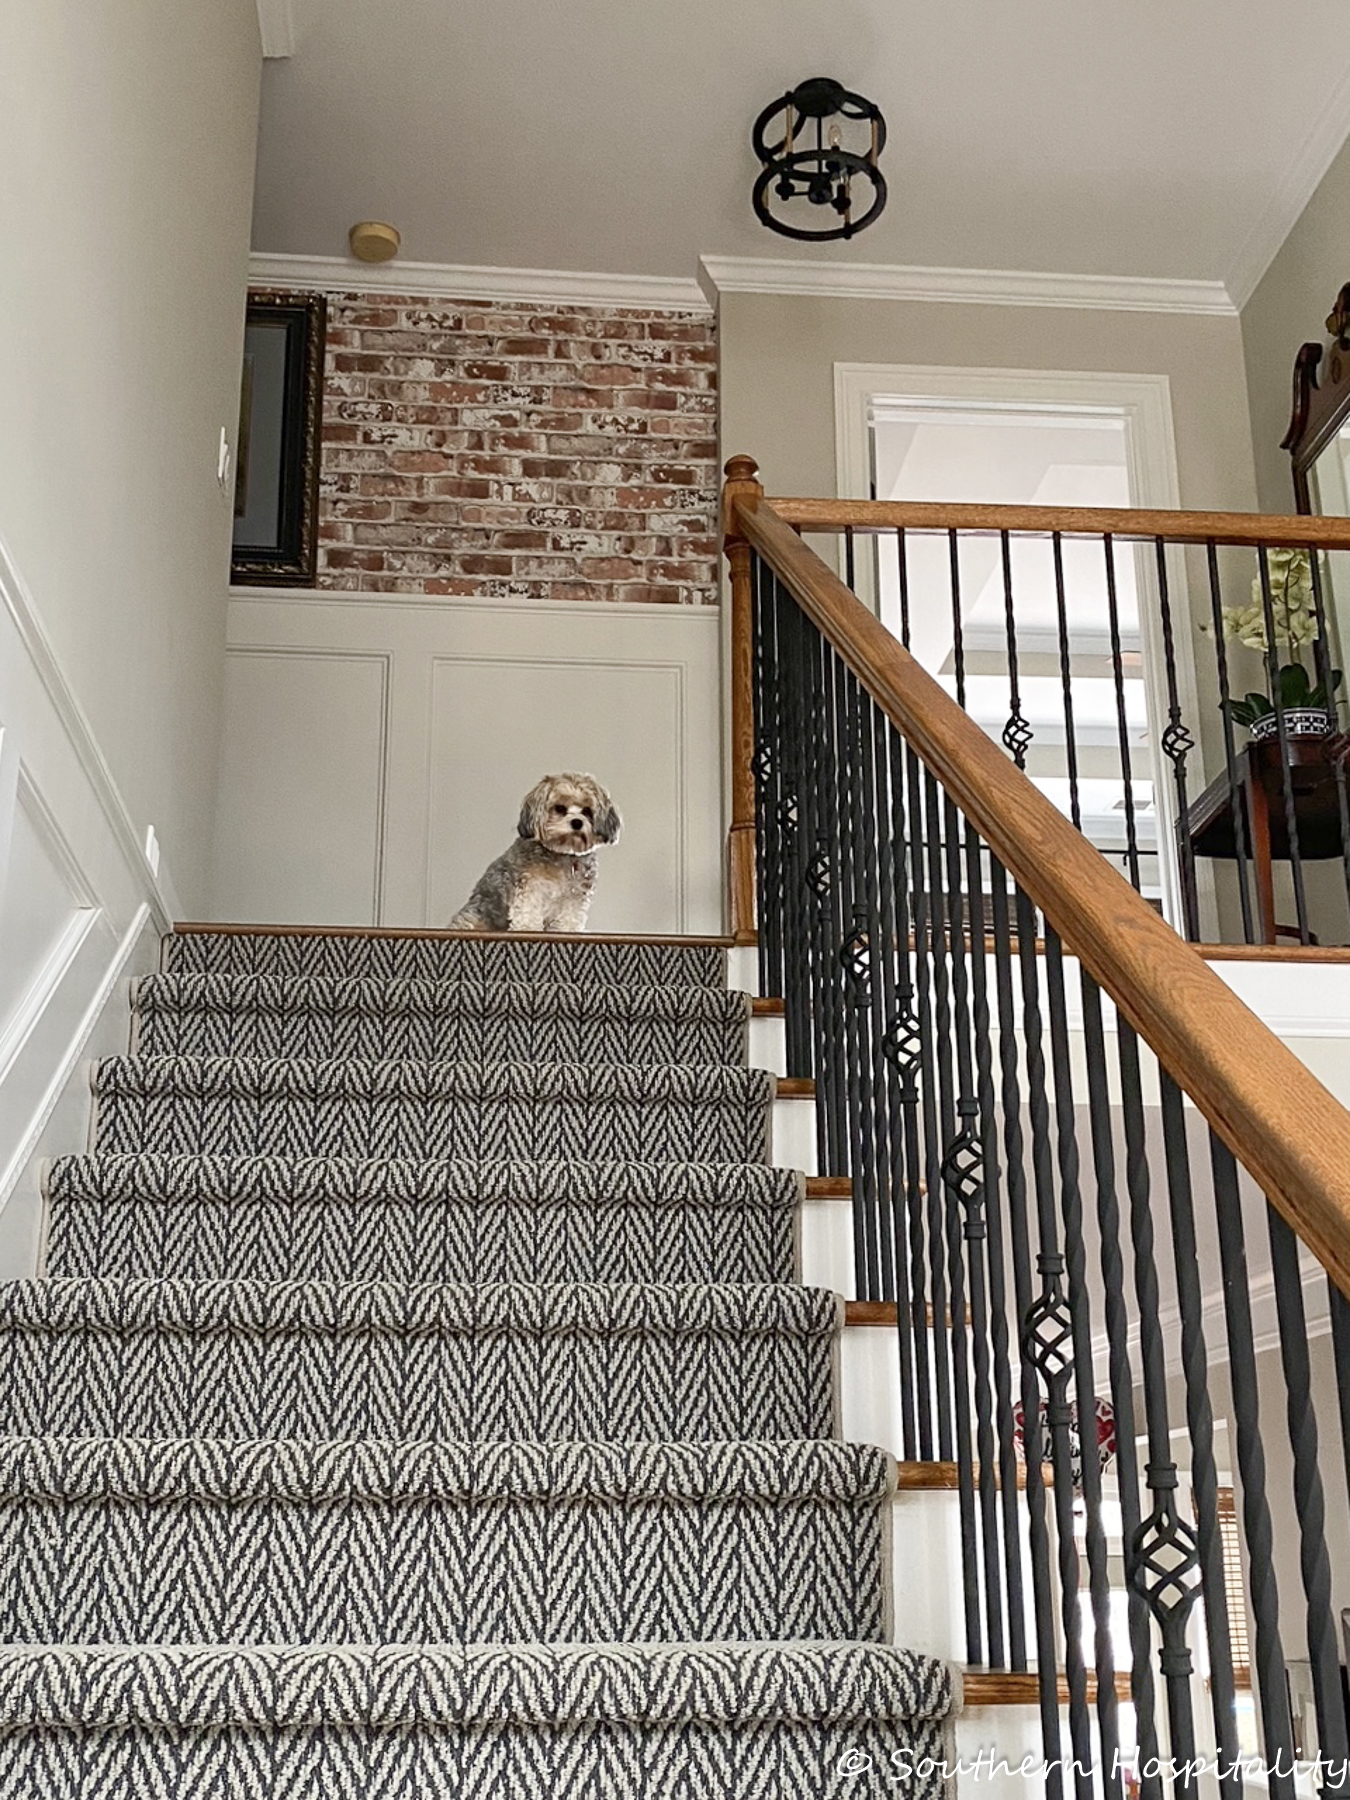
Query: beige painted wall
778, 354
127, 139
1287, 309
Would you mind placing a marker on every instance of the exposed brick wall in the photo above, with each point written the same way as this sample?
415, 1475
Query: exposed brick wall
557, 453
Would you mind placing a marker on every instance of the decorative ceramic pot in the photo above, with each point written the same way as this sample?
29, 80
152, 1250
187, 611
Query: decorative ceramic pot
1299, 721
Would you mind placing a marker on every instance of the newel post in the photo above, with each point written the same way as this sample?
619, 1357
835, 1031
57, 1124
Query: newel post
742, 484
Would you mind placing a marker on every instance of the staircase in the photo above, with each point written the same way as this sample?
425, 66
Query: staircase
420, 1401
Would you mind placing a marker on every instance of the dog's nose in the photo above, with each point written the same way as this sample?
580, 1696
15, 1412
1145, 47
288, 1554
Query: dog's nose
578, 825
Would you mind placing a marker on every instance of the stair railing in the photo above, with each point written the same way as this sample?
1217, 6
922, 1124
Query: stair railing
1098, 1288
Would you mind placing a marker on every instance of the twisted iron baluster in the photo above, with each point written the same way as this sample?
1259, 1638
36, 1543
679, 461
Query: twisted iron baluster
1271, 1682
1017, 734
1122, 1378
1162, 1560
1200, 1423
1177, 743
1075, 1258
963, 1170
991, 1175
1018, 1209
1047, 1337
1122, 722
1309, 1497
903, 1048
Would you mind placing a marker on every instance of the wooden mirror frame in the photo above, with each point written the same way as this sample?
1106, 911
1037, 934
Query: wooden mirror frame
291, 561
1321, 399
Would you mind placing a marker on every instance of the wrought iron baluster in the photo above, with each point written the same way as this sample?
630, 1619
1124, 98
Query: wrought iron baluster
920, 911
1121, 1374
963, 1170
1047, 1338
1017, 734
891, 1082
767, 766
1309, 1497
1241, 854
879, 952
793, 852
904, 1051
1066, 678
1122, 721
1200, 1424
1162, 1557
1000, 1339
1020, 1237
1272, 1691
939, 953
958, 626
1177, 743
1080, 1320
854, 960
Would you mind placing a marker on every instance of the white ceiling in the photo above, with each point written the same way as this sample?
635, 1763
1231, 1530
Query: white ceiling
1161, 138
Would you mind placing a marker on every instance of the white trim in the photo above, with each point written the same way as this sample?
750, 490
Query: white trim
608, 609
276, 26
1144, 402
961, 287
28, 1144
19, 603
1324, 140
451, 281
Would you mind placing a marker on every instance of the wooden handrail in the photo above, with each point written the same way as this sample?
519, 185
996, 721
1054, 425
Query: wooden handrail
1272, 1112
1070, 521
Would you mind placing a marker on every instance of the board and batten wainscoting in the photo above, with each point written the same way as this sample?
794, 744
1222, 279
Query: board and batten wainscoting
376, 747
81, 911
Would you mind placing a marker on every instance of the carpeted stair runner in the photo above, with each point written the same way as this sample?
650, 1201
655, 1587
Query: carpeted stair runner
333, 1219
420, 1402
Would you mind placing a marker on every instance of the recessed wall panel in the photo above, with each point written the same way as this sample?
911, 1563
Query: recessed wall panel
498, 725
299, 821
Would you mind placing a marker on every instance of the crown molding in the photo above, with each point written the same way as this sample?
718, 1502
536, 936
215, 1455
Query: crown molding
966, 287
1326, 137
450, 281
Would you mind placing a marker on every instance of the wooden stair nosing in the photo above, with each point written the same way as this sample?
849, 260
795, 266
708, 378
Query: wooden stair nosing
944, 1477
998, 1687
886, 1312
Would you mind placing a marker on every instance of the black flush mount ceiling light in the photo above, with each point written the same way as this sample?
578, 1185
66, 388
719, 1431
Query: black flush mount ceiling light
825, 146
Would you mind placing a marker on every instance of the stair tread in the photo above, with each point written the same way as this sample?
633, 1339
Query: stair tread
159, 1176
334, 1308
200, 1686
414, 994
391, 1469
408, 1074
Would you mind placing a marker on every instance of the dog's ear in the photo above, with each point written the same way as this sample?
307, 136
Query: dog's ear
532, 809
608, 824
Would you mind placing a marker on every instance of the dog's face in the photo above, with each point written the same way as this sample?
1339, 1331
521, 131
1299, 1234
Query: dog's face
569, 814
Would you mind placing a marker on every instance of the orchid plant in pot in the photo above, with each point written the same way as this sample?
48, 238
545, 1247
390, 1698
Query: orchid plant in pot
1307, 707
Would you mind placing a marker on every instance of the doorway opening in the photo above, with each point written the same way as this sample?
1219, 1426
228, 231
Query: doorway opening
1071, 639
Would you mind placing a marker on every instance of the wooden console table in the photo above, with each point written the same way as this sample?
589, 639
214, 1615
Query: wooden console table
1209, 822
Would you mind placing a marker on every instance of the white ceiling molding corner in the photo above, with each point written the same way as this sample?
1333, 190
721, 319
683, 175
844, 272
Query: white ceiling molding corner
984, 287
1326, 137
277, 28
450, 281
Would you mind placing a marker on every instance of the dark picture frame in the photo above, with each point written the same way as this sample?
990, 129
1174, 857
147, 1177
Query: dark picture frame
1321, 400
276, 525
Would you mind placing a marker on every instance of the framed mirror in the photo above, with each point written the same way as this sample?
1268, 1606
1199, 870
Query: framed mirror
1318, 438
276, 497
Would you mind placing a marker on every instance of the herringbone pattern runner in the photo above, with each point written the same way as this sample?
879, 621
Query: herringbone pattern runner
420, 1401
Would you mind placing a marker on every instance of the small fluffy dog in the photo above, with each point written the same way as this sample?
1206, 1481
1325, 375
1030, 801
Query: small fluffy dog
544, 881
